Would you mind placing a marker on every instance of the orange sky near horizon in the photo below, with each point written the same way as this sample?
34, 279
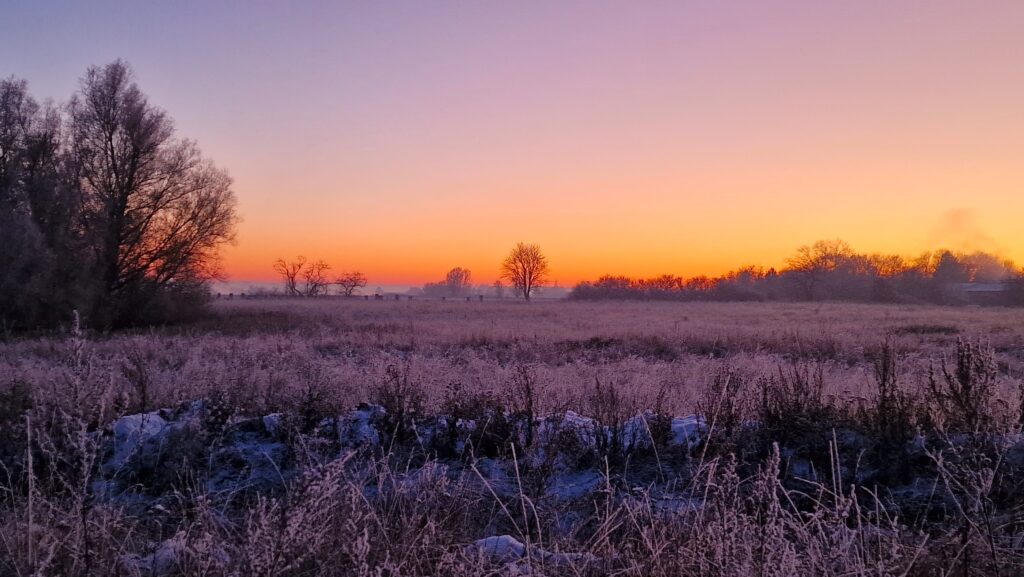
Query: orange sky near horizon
404, 139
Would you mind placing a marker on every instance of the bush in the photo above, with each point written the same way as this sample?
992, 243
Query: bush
725, 406
892, 419
962, 397
792, 403
478, 420
402, 402
610, 411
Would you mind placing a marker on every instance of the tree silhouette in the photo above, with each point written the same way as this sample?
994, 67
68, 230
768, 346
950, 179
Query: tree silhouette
117, 217
313, 276
810, 265
350, 281
458, 281
526, 268
290, 272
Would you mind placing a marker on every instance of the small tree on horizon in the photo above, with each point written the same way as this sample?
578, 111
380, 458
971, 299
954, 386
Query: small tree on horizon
350, 281
458, 281
313, 275
526, 268
289, 272
316, 278
812, 264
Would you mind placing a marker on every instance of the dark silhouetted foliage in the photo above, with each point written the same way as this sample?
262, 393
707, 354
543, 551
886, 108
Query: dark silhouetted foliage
103, 210
831, 270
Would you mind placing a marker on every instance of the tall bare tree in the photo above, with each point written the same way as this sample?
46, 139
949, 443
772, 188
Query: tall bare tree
17, 111
155, 211
21, 245
812, 264
315, 275
526, 268
103, 209
290, 272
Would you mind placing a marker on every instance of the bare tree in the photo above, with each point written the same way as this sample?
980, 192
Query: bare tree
316, 278
155, 211
43, 271
21, 246
950, 269
349, 282
17, 111
458, 281
526, 268
290, 272
812, 264
312, 274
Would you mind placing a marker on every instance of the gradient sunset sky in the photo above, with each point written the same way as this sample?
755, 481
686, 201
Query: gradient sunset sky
405, 138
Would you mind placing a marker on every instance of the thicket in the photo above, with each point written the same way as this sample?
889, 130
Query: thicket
103, 209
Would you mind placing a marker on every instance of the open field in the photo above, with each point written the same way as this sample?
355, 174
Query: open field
351, 437
266, 351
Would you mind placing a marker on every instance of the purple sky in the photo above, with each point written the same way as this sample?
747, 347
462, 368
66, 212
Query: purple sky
407, 138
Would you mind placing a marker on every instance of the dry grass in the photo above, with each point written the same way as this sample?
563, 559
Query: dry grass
806, 404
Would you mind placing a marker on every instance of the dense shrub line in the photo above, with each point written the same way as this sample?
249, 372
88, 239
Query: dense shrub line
831, 270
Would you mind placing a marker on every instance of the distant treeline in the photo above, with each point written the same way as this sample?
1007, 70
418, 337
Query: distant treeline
831, 270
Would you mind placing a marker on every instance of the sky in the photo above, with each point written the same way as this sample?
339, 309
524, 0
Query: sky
402, 139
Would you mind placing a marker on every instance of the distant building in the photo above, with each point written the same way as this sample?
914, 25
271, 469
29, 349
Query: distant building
982, 287
982, 293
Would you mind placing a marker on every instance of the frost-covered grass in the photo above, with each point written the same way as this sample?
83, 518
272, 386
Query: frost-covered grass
337, 437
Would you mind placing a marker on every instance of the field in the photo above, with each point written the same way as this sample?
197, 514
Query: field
350, 437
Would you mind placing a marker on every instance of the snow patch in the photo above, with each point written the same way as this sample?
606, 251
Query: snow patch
499, 549
134, 434
688, 431
272, 423
358, 427
168, 556
505, 549
574, 485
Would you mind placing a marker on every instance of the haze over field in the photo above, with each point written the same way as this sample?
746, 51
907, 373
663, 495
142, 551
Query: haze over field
401, 139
